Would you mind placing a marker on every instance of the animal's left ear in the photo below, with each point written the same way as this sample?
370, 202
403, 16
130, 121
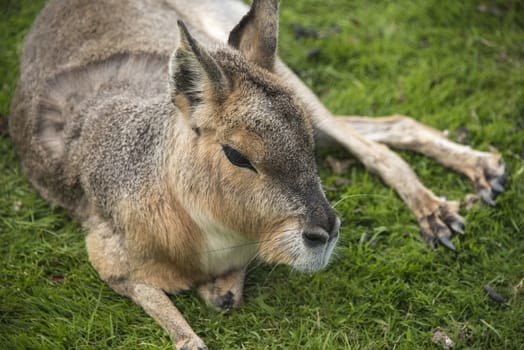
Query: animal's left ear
195, 78
257, 33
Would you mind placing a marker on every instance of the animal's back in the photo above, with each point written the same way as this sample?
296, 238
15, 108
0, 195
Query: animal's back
78, 48
74, 33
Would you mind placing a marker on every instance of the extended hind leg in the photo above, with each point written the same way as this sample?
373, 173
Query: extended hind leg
485, 170
436, 216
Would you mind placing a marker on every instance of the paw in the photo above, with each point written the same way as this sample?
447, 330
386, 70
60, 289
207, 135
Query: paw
219, 299
224, 302
489, 177
191, 344
439, 225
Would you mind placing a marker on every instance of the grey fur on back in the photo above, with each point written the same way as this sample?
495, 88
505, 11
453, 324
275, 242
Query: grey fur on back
99, 54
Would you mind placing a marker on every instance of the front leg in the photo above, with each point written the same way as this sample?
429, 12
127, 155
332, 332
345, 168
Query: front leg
157, 305
108, 255
224, 293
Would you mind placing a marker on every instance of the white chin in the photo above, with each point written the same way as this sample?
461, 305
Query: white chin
312, 262
308, 267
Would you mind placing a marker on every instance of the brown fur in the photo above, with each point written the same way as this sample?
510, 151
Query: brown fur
186, 158
130, 127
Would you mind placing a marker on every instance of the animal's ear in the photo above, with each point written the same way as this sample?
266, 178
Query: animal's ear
256, 35
194, 76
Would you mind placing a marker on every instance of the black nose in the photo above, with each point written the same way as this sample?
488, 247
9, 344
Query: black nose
322, 224
315, 238
322, 216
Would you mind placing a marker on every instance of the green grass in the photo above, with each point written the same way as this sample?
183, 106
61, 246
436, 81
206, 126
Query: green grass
444, 62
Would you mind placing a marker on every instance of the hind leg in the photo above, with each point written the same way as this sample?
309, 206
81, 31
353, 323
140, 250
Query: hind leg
485, 170
437, 217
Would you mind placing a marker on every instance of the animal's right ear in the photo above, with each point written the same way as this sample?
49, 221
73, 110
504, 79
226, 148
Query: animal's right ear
194, 76
256, 35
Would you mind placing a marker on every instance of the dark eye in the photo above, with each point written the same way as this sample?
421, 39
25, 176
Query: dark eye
236, 158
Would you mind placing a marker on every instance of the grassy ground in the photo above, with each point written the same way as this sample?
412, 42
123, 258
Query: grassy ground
453, 65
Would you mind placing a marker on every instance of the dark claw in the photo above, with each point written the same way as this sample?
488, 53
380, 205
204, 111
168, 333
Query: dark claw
458, 227
502, 178
494, 295
486, 196
447, 243
496, 185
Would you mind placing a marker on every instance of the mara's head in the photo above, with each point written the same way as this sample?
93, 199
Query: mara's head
249, 169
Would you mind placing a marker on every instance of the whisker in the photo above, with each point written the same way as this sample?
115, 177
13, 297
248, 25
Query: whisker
273, 268
235, 246
254, 242
357, 195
